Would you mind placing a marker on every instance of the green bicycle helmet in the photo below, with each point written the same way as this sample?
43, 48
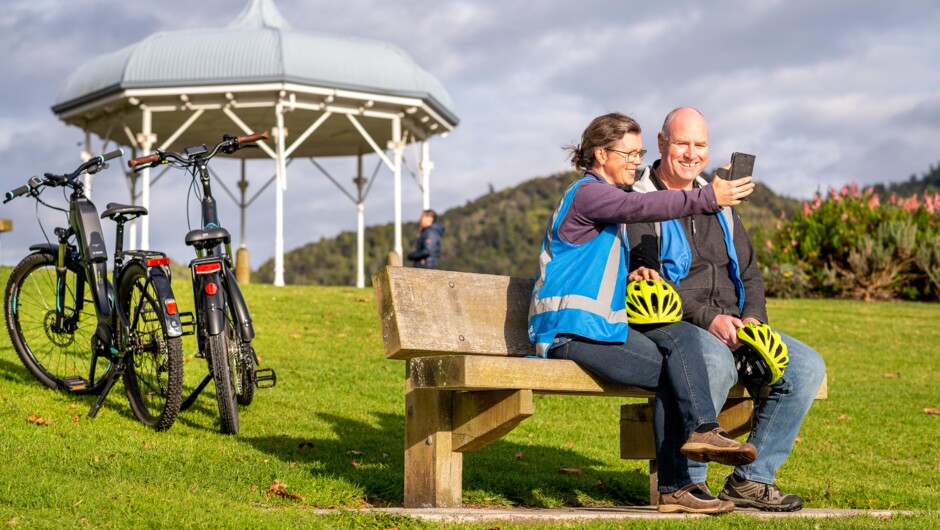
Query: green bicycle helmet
652, 302
771, 356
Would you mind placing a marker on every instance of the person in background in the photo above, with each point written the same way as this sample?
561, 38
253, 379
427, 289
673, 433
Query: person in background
427, 250
709, 259
578, 306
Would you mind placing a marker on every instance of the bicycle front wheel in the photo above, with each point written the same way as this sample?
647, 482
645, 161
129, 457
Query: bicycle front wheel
153, 379
224, 378
52, 348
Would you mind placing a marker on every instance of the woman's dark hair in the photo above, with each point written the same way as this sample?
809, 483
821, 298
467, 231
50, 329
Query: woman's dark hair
603, 131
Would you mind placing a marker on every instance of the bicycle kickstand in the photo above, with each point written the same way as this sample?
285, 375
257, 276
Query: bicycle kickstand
112, 378
192, 397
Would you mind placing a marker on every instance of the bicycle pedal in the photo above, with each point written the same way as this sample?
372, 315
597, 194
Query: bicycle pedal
265, 376
188, 323
75, 383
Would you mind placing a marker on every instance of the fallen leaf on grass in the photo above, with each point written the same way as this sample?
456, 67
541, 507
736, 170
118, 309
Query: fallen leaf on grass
293, 465
254, 488
37, 419
97, 459
188, 358
280, 489
932, 411
799, 439
519, 455
569, 444
73, 406
12, 522
599, 485
363, 299
74, 419
890, 375
354, 453
844, 417
571, 471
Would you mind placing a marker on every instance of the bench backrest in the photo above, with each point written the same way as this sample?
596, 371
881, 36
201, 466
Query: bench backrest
431, 312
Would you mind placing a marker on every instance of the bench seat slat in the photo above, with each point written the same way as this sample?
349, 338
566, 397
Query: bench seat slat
544, 376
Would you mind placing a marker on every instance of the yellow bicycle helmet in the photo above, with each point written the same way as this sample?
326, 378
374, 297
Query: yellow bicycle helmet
651, 302
771, 352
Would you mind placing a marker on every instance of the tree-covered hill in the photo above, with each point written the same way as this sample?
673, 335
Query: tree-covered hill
498, 233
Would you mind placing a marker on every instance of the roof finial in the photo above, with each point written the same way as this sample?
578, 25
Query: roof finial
260, 14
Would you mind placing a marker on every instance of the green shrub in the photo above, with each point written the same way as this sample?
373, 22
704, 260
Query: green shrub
855, 245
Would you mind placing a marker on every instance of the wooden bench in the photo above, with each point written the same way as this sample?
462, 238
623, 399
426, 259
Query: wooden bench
467, 382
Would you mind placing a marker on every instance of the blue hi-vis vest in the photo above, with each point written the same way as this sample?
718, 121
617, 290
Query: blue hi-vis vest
580, 289
675, 253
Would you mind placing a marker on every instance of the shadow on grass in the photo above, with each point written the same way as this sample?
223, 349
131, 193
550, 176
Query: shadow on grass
503, 473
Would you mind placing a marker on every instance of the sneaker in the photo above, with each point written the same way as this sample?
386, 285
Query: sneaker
691, 499
717, 446
767, 497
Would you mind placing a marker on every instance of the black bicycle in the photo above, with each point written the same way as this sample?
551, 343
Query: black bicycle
75, 330
224, 328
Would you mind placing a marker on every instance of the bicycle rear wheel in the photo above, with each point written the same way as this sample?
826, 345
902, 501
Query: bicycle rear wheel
51, 350
153, 379
224, 378
243, 362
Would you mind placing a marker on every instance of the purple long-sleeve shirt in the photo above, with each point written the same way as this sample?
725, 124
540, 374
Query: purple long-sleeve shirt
598, 203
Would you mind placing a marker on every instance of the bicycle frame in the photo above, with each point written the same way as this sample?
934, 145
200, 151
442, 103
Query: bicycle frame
225, 277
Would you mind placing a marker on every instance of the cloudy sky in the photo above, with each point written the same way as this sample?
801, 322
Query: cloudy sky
822, 92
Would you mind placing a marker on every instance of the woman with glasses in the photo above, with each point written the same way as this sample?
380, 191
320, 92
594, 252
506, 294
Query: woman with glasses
578, 311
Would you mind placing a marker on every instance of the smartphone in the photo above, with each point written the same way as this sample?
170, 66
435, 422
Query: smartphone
742, 165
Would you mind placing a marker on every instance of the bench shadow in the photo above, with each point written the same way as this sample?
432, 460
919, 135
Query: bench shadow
371, 456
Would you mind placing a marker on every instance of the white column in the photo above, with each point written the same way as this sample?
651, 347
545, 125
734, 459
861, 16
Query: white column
146, 144
398, 150
281, 185
360, 226
425, 167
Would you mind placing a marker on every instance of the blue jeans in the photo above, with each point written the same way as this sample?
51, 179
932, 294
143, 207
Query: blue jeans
666, 359
779, 415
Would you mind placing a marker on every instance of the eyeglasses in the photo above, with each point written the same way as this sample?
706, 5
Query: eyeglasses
632, 155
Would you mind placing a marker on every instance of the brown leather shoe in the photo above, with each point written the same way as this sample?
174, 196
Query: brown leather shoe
691, 499
717, 446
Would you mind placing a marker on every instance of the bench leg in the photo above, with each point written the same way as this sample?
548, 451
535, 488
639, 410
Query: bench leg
433, 471
654, 483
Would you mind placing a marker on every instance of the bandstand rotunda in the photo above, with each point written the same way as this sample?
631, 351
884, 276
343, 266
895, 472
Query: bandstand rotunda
320, 95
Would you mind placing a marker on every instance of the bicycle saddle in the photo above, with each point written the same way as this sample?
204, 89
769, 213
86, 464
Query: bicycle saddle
126, 211
207, 237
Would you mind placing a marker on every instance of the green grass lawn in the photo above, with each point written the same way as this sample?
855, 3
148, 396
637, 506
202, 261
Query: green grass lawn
332, 431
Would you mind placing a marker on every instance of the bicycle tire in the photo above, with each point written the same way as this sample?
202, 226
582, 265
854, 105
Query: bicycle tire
244, 362
51, 355
222, 376
153, 377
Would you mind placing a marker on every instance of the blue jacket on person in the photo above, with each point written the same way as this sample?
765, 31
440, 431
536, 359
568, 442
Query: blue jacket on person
427, 250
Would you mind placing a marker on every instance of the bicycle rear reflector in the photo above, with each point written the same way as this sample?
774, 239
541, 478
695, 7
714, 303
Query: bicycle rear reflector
211, 288
158, 262
204, 268
171, 306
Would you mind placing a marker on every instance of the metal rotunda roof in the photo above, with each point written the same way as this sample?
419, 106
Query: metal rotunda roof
258, 47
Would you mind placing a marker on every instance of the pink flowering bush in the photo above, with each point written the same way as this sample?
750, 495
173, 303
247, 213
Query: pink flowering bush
854, 243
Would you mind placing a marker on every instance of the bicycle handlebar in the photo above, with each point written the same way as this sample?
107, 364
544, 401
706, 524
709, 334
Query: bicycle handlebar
92, 165
252, 138
228, 145
149, 159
